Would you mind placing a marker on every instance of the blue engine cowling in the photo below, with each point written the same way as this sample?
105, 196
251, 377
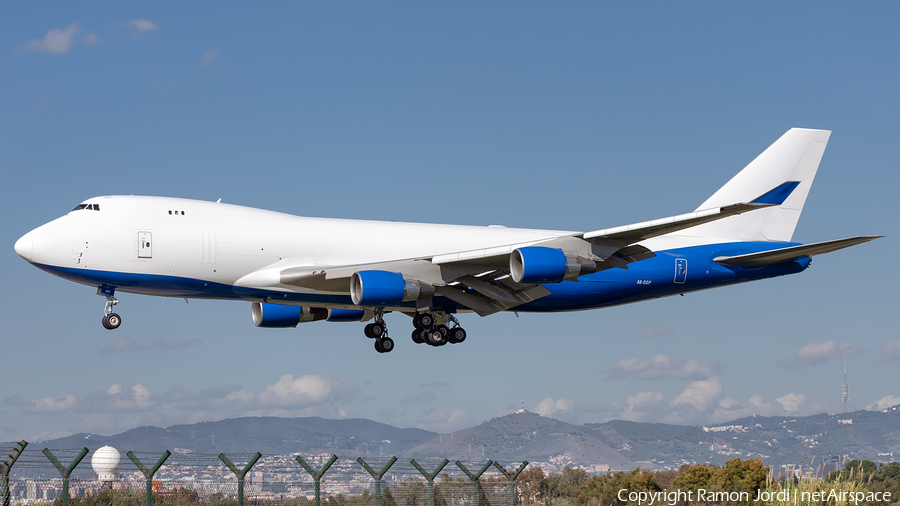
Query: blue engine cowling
282, 316
539, 264
383, 288
345, 315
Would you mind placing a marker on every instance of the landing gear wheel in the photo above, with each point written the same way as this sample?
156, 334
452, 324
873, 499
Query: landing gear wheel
435, 338
112, 321
443, 330
417, 336
423, 321
378, 346
456, 335
374, 330
387, 344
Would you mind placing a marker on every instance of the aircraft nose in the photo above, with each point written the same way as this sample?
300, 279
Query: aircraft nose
25, 246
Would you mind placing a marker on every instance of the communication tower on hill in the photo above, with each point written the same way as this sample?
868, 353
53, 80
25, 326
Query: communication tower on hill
846, 387
522, 409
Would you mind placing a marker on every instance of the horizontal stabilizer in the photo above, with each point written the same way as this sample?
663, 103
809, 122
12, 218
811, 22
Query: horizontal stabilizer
792, 253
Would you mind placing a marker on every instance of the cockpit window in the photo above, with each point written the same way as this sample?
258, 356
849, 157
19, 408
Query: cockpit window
92, 207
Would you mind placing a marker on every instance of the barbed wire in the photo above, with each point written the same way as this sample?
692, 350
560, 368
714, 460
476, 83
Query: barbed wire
33, 460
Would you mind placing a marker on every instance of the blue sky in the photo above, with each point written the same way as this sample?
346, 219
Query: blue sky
577, 116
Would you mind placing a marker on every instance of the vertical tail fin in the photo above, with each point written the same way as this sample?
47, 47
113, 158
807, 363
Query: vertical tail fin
795, 156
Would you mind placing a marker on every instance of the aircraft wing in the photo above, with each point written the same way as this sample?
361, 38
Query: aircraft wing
792, 253
648, 229
479, 279
614, 245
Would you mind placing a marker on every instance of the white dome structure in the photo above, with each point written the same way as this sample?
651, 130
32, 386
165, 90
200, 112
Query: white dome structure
106, 463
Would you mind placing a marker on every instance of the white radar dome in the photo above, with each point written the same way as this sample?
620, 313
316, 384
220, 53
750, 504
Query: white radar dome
106, 463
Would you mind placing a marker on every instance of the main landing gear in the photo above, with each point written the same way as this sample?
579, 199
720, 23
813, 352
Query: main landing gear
430, 329
435, 329
378, 332
111, 321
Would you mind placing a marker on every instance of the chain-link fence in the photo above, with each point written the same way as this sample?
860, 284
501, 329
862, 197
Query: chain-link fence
187, 478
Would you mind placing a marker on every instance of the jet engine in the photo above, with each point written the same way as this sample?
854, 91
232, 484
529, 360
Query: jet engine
539, 264
281, 316
344, 315
383, 288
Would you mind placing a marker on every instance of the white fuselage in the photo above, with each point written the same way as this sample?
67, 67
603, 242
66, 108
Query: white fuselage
223, 243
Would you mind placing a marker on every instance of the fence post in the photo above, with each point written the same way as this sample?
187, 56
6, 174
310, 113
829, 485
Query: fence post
376, 476
474, 478
511, 477
148, 473
240, 473
5, 467
317, 475
429, 477
65, 471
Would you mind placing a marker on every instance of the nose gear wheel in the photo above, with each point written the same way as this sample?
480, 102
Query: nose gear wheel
111, 321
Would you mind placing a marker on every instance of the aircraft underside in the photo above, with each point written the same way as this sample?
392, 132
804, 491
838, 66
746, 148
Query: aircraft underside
671, 272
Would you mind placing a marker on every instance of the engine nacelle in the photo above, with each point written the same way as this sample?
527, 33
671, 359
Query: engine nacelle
383, 288
282, 316
345, 315
539, 264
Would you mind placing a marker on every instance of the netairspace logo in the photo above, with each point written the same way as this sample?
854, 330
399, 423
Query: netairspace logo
672, 497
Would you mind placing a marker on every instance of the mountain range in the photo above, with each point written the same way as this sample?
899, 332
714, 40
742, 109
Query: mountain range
617, 444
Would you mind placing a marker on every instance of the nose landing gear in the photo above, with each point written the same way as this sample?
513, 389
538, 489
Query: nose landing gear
111, 321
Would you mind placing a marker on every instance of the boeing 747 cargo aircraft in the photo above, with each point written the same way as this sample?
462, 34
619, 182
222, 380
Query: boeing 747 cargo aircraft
294, 269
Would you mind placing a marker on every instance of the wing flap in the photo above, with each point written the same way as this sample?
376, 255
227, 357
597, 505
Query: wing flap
792, 253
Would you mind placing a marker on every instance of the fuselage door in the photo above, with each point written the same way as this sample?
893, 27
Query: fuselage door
680, 270
144, 245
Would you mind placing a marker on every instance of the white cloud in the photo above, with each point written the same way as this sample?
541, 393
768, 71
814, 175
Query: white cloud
56, 41
816, 352
439, 420
143, 25
700, 394
791, 402
303, 391
53, 404
891, 351
664, 367
210, 57
548, 406
885, 402
639, 406
729, 409
651, 331
123, 406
